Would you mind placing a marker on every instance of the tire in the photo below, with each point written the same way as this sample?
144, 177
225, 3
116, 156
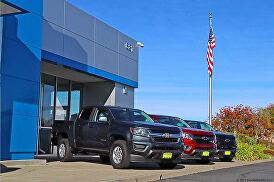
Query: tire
226, 159
63, 150
104, 158
204, 161
167, 165
119, 156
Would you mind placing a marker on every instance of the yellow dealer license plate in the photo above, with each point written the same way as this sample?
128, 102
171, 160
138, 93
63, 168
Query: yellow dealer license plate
167, 155
205, 154
227, 152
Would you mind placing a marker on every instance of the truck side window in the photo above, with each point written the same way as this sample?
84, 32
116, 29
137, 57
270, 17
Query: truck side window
86, 114
101, 116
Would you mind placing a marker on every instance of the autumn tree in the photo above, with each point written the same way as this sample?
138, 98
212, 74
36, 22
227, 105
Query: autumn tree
266, 121
237, 119
261, 124
240, 119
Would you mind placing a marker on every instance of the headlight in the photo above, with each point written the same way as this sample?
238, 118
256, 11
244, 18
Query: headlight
187, 136
140, 131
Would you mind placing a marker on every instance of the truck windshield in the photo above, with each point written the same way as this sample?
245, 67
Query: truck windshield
125, 114
201, 125
207, 127
173, 121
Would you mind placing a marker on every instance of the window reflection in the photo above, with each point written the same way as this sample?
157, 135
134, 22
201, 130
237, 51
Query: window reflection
75, 100
48, 85
62, 99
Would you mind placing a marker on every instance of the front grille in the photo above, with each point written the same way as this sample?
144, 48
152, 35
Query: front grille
164, 140
225, 142
225, 145
203, 139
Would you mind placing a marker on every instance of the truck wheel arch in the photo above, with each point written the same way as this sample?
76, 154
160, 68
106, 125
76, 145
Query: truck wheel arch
115, 137
59, 136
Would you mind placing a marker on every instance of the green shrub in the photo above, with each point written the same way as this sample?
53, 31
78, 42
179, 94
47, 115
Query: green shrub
249, 151
247, 139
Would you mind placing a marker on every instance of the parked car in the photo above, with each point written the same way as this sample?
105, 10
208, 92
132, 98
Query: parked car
198, 144
226, 143
119, 135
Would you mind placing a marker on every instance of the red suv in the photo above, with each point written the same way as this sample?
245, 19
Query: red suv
198, 144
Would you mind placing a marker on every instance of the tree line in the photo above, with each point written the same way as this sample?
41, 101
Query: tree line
245, 120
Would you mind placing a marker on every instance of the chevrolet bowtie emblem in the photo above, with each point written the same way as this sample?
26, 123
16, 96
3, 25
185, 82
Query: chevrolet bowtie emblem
166, 135
205, 138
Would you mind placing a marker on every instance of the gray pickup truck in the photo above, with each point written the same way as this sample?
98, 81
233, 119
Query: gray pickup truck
119, 135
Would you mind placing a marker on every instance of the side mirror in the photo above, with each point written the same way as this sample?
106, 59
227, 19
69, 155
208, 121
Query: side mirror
103, 119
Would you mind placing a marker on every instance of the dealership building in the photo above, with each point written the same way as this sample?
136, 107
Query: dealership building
56, 58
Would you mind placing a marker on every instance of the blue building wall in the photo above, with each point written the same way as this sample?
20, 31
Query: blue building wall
20, 80
57, 31
1, 34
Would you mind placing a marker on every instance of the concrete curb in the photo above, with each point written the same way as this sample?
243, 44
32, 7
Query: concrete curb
21, 163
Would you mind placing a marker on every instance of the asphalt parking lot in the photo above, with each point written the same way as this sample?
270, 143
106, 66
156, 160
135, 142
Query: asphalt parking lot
255, 172
92, 169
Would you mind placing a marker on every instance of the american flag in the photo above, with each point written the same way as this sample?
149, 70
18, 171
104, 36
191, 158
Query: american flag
210, 46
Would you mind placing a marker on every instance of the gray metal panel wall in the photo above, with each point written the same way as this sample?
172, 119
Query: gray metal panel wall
76, 35
106, 59
99, 93
78, 48
106, 36
123, 39
79, 22
124, 100
127, 67
53, 11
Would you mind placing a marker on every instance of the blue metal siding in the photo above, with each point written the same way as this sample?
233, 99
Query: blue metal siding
20, 80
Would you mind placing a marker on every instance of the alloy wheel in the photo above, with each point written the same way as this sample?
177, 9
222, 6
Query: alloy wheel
117, 155
62, 150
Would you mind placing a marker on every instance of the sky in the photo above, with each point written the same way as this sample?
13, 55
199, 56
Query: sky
173, 78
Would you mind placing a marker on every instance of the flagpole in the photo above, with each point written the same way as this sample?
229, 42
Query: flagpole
210, 84
210, 100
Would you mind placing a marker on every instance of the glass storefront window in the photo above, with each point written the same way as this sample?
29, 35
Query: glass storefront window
62, 99
75, 100
48, 89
